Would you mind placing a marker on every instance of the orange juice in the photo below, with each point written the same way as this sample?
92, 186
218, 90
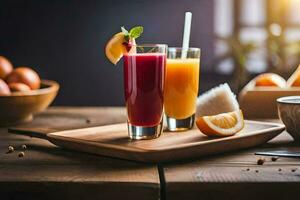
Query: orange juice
181, 87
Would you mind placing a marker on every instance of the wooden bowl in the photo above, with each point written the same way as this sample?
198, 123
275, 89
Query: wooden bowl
19, 107
260, 102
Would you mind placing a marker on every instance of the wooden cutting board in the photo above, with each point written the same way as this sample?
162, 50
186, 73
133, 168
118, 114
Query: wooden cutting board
112, 140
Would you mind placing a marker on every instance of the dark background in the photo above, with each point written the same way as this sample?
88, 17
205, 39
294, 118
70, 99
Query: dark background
63, 40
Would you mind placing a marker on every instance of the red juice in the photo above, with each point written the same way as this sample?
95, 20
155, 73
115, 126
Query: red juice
144, 76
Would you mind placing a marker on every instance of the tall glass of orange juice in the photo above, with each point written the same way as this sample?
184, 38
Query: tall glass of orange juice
181, 87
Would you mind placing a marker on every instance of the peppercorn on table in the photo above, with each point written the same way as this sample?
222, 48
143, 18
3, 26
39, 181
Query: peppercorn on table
44, 171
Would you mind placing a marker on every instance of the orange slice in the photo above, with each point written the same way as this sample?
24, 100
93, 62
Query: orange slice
116, 47
270, 79
224, 124
294, 80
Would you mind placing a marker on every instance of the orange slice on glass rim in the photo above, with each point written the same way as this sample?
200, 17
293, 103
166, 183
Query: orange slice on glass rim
115, 48
122, 43
224, 124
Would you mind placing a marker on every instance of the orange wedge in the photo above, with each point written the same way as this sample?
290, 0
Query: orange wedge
270, 79
224, 124
117, 47
294, 80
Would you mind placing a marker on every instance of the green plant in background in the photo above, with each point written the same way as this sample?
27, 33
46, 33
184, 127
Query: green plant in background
239, 51
275, 54
283, 57
293, 54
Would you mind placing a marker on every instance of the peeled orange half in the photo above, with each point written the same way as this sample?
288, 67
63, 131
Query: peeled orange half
224, 124
270, 79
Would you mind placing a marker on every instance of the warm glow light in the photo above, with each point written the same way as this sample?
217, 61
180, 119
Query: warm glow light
293, 2
294, 9
275, 29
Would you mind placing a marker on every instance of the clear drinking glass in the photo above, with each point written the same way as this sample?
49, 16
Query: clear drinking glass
144, 78
181, 88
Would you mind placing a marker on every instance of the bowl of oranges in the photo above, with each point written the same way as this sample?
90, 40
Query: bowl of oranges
22, 93
258, 98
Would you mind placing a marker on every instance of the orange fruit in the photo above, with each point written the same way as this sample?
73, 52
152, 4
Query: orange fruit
294, 80
5, 67
18, 87
117, 46
270, 79
24, 75
4, 89
224, 124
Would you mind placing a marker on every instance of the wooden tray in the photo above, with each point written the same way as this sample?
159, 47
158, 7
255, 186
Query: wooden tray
112, 141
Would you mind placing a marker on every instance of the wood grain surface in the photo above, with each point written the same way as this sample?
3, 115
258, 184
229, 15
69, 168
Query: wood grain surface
236, 175
112, 140
48, 172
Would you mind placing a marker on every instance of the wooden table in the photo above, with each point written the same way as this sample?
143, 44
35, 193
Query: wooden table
49, 172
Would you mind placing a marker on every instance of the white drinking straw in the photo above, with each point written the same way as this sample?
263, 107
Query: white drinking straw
186, 34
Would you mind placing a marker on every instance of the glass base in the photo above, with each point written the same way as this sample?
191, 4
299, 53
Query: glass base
180, 124
144, 132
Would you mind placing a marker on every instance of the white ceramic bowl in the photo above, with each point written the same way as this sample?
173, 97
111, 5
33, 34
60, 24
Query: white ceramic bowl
289, 113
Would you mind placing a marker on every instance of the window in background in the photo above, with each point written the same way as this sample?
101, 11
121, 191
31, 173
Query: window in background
262, 35
248, 27
223, 26
292, 32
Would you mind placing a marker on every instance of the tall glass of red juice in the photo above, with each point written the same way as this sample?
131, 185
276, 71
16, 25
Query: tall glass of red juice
144, 77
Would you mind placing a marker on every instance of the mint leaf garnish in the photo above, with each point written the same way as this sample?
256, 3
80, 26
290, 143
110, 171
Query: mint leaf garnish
124, 30
136, 32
